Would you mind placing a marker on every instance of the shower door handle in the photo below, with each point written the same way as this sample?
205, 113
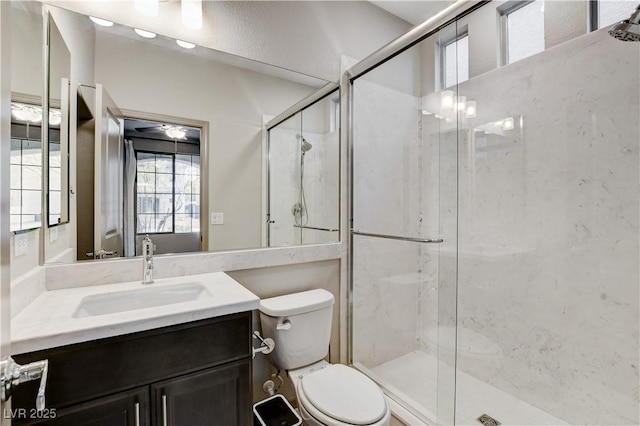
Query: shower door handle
399, 238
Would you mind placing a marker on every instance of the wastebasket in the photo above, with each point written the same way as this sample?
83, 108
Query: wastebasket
275, 411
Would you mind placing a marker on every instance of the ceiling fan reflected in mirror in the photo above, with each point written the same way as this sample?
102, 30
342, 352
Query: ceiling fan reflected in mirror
174, 132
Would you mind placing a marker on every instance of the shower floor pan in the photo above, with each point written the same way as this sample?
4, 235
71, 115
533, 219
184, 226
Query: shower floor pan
412, 378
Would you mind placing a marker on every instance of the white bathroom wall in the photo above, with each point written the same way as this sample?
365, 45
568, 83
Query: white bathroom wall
231, 99
304, 36
548, 270
26, 48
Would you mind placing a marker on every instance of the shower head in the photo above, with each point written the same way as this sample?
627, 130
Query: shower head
629, 29
306, 146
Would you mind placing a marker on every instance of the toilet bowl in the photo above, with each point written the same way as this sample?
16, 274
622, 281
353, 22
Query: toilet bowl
337, 395
328, 394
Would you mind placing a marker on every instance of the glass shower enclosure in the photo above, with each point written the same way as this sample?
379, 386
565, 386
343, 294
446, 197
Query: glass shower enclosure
494, 259
303, 173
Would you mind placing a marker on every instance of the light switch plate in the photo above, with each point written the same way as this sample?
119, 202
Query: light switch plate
20, 244
217, 218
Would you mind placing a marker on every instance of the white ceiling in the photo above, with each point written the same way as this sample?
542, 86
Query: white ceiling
413, 11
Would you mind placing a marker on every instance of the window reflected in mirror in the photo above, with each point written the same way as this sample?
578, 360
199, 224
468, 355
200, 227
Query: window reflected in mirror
167, 183
168, 193
26, 167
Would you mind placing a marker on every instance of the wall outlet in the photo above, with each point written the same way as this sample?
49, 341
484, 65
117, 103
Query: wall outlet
20, 244
53, 234
217, 218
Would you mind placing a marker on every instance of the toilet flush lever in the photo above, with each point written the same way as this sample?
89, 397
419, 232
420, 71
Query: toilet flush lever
284, 325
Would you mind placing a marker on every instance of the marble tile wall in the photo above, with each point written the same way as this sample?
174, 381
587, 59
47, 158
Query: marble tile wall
548, 231
385, 299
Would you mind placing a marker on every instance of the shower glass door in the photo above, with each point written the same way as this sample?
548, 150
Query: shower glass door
404, 231
303, 176
284, 182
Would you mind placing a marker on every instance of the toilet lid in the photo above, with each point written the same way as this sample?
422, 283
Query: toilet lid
345, 394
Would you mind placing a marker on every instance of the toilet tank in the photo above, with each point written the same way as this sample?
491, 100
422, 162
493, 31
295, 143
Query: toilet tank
300, 325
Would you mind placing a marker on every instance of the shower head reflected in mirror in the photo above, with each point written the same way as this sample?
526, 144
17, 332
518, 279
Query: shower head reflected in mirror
306, 146
629, 29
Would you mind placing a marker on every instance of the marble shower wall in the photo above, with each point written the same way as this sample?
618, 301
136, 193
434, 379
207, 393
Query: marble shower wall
548, 297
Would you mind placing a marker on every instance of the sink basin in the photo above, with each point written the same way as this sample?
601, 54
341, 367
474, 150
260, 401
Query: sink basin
148, 297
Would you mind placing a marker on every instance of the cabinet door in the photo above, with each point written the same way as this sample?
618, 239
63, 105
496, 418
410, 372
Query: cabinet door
122, 409
216, 396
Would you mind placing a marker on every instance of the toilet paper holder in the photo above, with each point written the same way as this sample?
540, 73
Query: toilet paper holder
266, 345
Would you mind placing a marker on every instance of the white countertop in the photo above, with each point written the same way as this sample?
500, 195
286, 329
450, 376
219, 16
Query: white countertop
48, 321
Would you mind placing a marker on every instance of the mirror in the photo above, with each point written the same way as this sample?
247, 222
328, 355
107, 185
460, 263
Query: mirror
204, 195
57, 159
304, 161
26, 117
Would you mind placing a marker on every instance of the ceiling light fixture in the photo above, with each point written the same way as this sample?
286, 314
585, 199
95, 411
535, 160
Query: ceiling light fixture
508, 124
472, 109
101, 22
55, 117
147, 7
143, 33
462, 103
176, 132
185, 44
27, 113
192, 14
447, 99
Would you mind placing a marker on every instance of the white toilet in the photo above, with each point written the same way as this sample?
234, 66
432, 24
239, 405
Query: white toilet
328, 395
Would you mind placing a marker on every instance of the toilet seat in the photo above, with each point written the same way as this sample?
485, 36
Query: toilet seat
342, 396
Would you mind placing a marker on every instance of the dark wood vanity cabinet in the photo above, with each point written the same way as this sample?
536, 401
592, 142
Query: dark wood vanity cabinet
190, 374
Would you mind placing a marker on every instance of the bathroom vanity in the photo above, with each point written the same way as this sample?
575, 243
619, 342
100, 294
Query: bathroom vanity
188, 374
190, 365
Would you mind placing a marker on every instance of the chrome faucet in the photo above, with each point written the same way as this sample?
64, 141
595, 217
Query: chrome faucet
147, 260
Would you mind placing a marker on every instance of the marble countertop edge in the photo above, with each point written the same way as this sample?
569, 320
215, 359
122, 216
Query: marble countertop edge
37, 328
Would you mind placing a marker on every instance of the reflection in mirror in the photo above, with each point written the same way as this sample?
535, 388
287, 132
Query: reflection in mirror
303, 175
26, 116
212, 199
166, 171
26, 166
59, 72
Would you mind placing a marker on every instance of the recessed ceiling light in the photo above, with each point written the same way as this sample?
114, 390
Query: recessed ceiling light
185, 44
143, 33
192, 14
147, 7
102, 22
